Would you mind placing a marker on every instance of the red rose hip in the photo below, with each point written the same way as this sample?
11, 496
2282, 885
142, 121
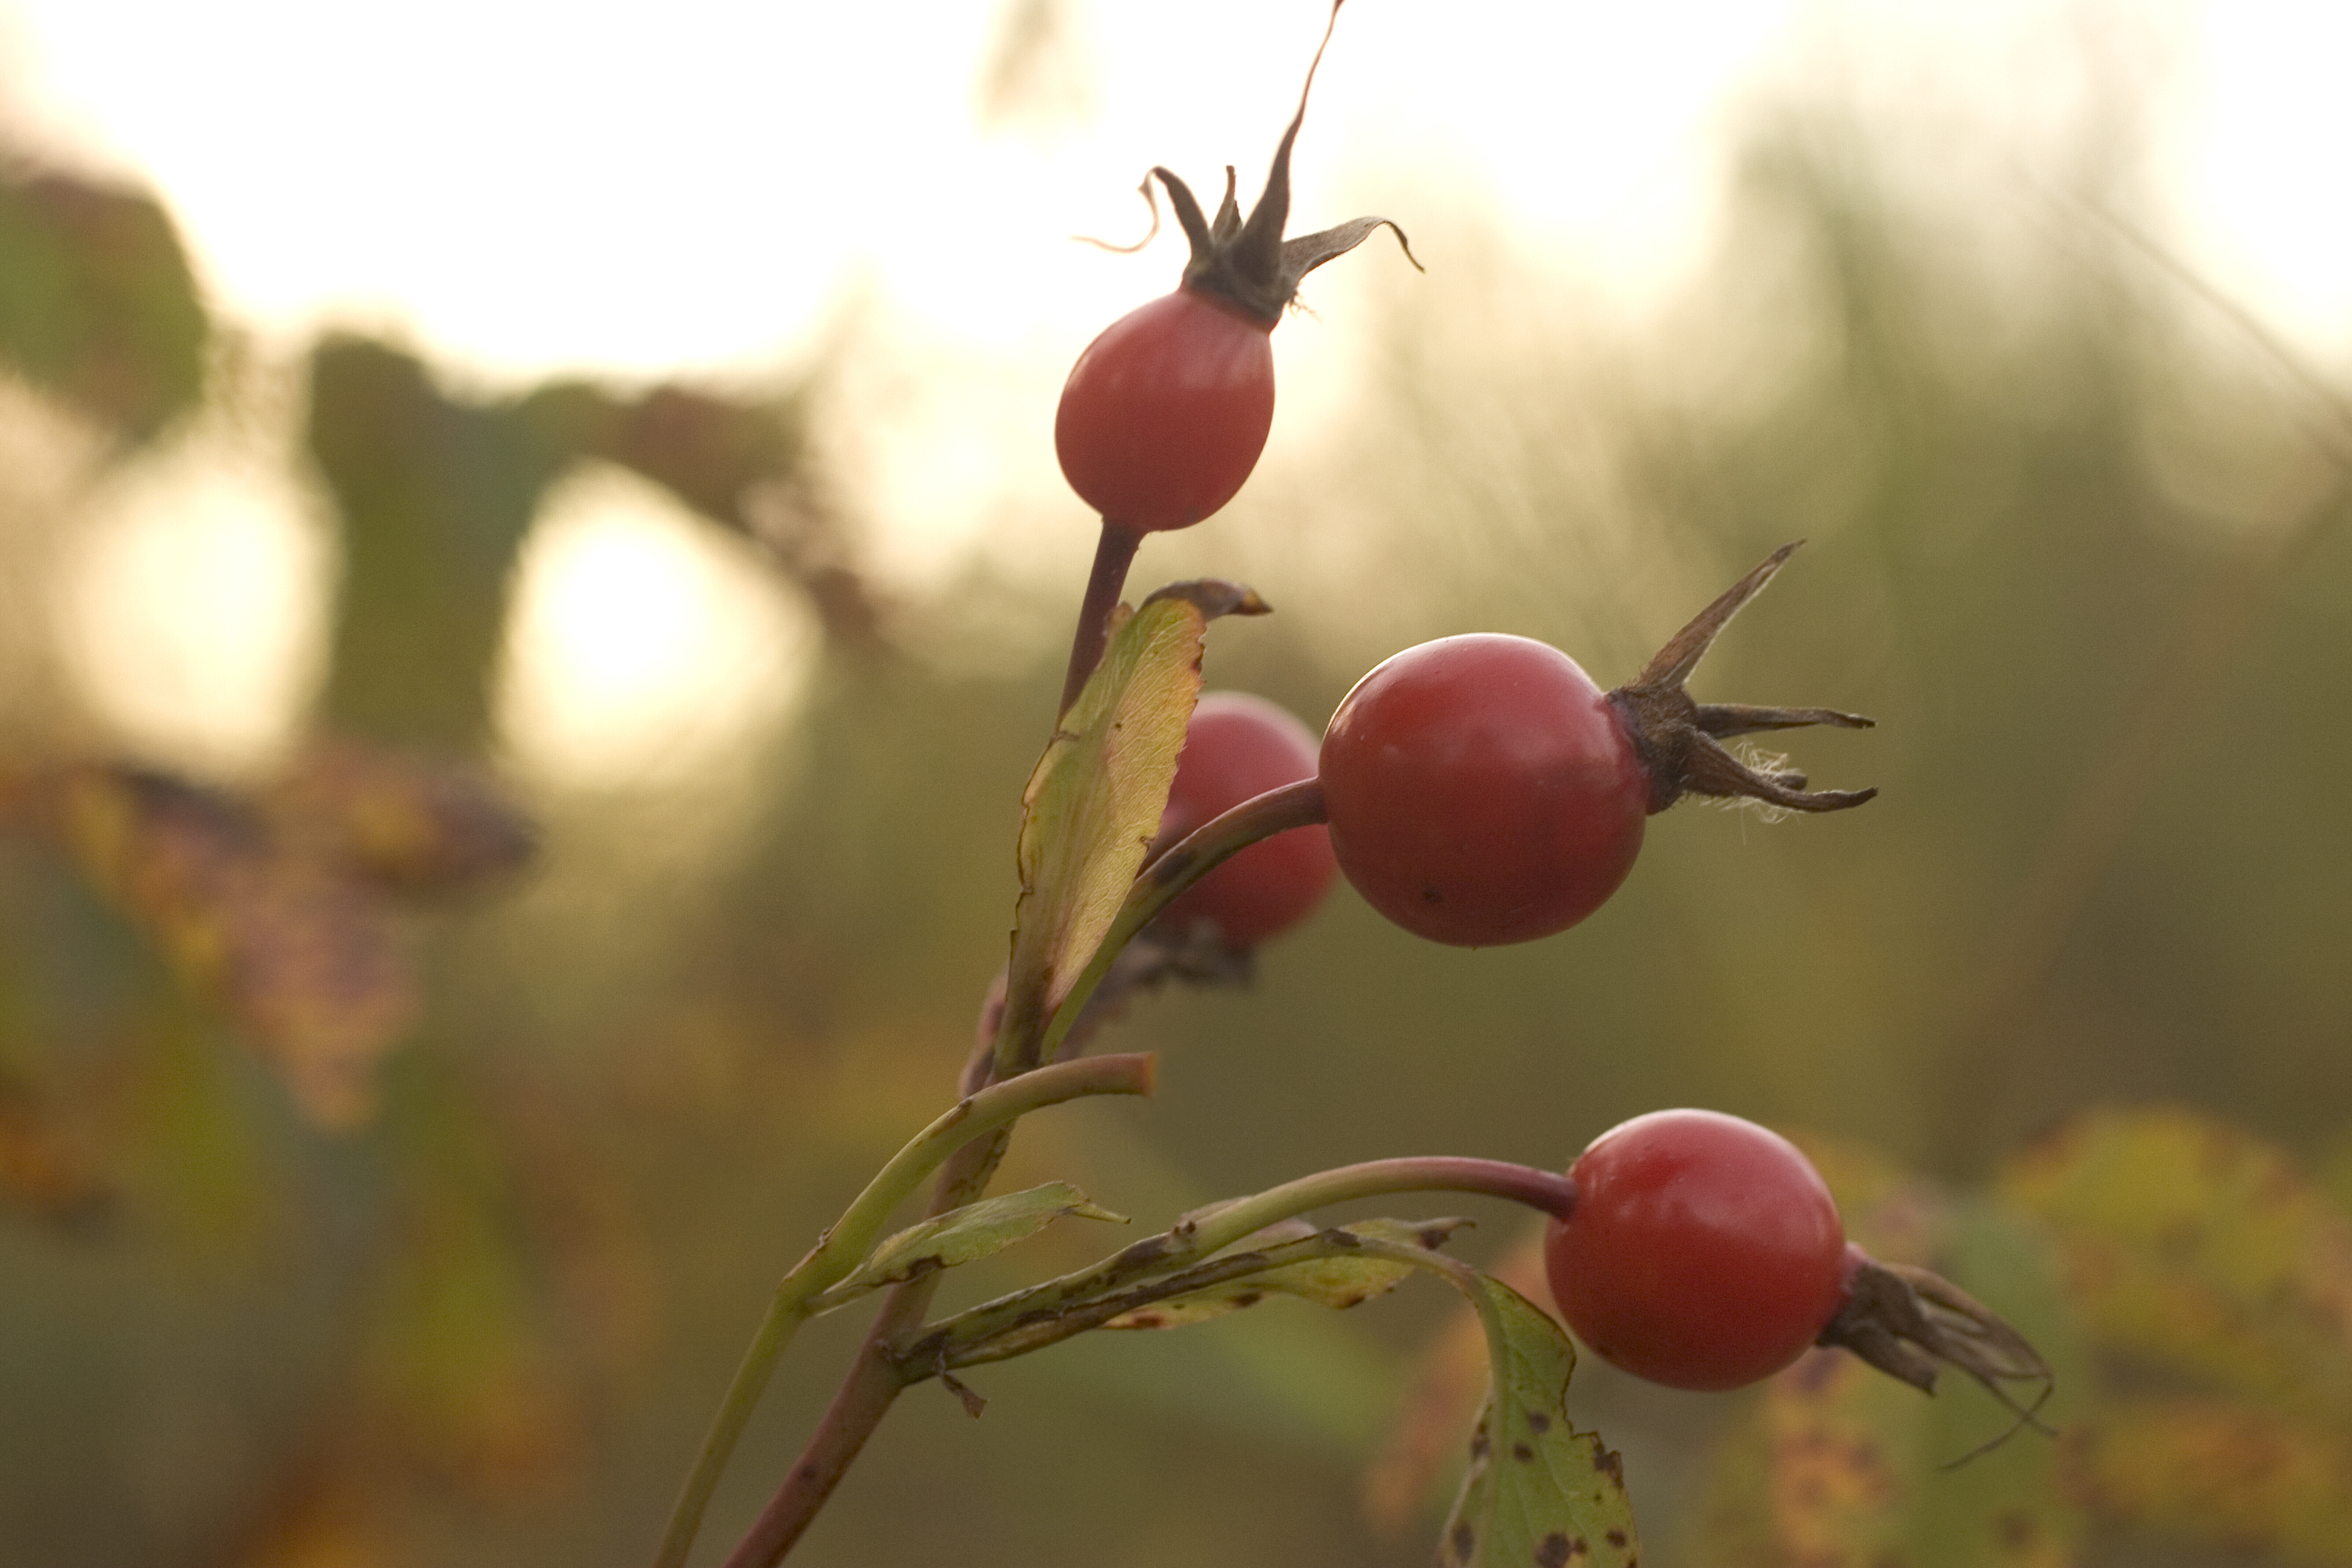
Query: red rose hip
1483, 790
1165, 414
1703, 1251
1237, 747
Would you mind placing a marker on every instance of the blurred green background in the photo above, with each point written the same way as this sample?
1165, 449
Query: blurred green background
399, 1135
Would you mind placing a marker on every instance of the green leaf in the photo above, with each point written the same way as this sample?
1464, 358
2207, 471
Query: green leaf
1338, 1281
2190, 1244
966, 1235
1538, 1491
1094, 803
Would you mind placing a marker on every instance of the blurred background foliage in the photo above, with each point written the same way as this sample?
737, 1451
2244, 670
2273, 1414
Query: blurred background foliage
397, 1144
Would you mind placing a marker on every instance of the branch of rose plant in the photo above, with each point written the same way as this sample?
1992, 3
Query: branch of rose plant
1199, 1236
872, 1383
891, 1359
981, 1118
875, 1379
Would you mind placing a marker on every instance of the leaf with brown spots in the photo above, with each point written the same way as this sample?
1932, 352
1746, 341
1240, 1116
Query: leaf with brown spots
1338, 1282
1417, 1459
1537, 1490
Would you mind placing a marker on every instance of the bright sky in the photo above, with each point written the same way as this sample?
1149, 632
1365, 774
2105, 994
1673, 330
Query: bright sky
526, 184
521, 186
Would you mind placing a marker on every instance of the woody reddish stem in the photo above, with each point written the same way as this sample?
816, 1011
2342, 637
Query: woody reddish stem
1105, 582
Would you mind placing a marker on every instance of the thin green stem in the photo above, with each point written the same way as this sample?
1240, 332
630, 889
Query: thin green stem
873, 1382
854, 1235
1299, 804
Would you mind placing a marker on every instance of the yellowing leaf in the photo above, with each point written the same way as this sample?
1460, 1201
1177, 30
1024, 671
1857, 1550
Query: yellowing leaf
1095, 800
2196, 1246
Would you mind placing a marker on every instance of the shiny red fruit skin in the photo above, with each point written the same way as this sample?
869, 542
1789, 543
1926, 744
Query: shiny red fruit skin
1483, 790
1703, 1251
1165, 414
1239, 746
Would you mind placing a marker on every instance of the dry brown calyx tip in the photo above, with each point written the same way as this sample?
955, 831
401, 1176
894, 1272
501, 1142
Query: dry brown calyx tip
1245, 261
1909, 1323
1679, 739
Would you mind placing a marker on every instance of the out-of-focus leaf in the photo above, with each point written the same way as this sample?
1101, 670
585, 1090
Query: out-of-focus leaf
44, 1170
1538, 1491
1036, 76
742, 463
401, 821
2191, 1244
708, 451
305, 961
2218, 1471
312, 969
459, 1363
968, 1233
332, 1515
1336, 1282
1855, 1472
1839, 1464
1095, 800
434, 495
97, 302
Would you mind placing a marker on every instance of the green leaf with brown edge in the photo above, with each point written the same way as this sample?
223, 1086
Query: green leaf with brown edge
1094, 802
964, 1235
1538, 1491
2218, 1470
2192, 1244
1338, 1282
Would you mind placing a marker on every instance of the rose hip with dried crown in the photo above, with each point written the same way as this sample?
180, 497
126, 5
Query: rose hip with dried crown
1483, 790
1165, 414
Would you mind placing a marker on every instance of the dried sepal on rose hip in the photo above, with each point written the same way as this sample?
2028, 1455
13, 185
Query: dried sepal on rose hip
1166, 412
1705, 1252
1482, 789
1907, 1322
